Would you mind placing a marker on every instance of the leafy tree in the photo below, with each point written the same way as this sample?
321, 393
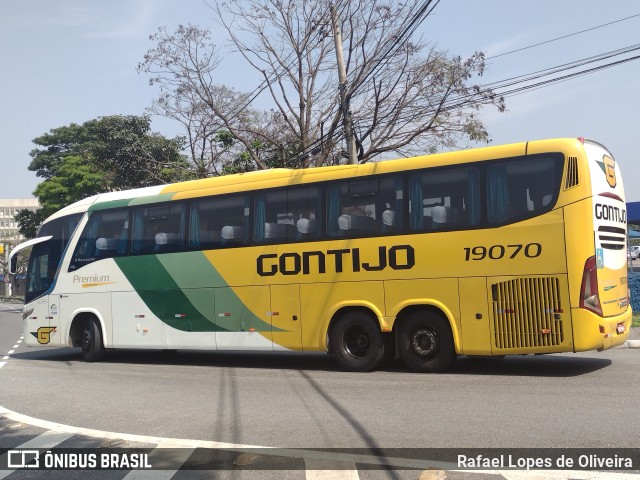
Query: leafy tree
122, 148
405, 95
74, 179
29, 221
105, 154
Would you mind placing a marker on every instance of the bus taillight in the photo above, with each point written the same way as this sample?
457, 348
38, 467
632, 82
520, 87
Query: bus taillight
589, 298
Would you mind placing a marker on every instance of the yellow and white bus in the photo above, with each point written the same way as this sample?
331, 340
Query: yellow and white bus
515, 249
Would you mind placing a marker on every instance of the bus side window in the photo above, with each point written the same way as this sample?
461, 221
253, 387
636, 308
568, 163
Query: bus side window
391, 204
159, 228
523, 187
365, 207
305, 204
219, 222
104, 236
287, 214
444, 199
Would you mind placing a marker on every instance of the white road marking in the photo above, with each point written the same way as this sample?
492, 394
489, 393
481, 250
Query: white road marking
322, 470
48, 439
315, 461
178, 458
562, 475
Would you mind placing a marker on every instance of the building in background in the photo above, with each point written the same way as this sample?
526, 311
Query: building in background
10, 237
8, 209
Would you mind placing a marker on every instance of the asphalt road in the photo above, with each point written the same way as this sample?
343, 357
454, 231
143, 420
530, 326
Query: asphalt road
287, 400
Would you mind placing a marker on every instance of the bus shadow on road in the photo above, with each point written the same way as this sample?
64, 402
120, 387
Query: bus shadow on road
530, 365
524, 365
198, 358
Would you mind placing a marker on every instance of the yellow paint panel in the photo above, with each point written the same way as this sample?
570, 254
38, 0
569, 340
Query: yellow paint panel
474, 316
286, 318
320, 301
441, 293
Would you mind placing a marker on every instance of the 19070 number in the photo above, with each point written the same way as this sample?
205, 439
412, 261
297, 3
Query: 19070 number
496, 252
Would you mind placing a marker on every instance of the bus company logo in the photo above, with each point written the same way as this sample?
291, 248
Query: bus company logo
397, 257
608, 166
23, 459
43, 334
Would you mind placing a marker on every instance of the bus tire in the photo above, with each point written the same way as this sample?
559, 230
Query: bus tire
91, 341
357, 342
426, 342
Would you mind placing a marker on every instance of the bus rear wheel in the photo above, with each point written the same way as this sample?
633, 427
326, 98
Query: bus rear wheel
425, 342
91, 341
357, 342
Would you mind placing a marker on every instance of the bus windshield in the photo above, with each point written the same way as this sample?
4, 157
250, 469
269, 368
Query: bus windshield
45, 257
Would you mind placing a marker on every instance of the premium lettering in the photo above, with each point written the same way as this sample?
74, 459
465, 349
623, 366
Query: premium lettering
90, 278
398, 257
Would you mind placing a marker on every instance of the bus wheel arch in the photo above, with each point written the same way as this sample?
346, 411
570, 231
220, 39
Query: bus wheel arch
86, 332
355, 339
425, 339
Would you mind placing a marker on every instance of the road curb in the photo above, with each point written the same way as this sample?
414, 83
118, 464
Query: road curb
632, 344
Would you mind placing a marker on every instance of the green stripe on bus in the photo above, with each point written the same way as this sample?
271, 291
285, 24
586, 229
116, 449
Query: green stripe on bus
127, 202
108, 205
185, 304
160, 197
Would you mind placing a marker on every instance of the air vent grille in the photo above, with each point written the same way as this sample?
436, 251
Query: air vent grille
572, 178
612, 238
527, 313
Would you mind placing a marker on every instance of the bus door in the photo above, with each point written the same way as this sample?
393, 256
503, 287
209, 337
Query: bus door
286, 322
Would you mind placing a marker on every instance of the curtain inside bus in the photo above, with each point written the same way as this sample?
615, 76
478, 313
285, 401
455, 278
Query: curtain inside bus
259, 218
497, 194
333, 209
472, 205
416, 209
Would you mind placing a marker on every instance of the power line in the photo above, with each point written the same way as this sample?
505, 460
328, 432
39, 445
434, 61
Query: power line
519, 90
509, 87
396, 42
563, 67
564, 36
392, 44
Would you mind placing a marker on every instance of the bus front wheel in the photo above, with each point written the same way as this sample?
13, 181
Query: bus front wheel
357, 342
425, 342
91, 341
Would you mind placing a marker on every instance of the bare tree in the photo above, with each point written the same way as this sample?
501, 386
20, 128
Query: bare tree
217, 119
405, 96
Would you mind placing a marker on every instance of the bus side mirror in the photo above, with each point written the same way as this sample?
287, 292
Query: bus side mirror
13, 267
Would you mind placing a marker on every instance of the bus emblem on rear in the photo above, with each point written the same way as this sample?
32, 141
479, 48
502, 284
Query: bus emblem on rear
608, 166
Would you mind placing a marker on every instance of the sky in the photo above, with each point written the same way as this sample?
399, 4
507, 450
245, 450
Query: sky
70, 61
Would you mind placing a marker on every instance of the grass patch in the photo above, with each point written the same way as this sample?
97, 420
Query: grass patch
635, 321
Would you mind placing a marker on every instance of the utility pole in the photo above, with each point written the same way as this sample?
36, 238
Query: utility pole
342, 87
